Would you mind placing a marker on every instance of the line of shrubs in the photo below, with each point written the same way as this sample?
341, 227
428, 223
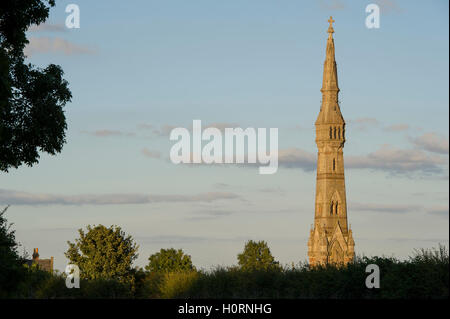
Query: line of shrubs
425, 275
105, 255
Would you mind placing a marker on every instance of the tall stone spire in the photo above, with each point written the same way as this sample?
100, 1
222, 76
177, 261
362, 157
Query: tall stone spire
330, 82
331, 241
330, 111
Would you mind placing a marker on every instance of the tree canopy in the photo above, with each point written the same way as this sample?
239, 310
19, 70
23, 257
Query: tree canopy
169, 260
32, 118
103, 253
256, 256
11, 269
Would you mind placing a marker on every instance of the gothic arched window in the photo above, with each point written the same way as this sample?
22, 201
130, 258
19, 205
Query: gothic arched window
331, 208
339, 132
336, 208
331, 133
334, 164
335, 132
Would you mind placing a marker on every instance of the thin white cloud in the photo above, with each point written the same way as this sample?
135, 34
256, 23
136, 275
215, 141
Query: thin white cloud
384, 208
108, 133
331, 5
388, 6
365, 120
272, 190
394, 160
363, 123
145, 126
297, 158
432, 142
415, 239
151, 154
221, 185
387, 158
397, 127
208, 214
439, 211
54, 45
172, 239
12, 197
164, 130
222, 125
47, 27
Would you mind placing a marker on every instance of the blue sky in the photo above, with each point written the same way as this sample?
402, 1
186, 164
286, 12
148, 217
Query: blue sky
138, 70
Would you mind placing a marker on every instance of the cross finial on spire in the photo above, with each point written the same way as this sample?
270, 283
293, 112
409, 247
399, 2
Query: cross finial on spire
331, 21
330, 28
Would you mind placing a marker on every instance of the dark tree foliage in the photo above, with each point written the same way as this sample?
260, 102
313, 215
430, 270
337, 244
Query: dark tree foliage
11, 269
423, 276
32, 118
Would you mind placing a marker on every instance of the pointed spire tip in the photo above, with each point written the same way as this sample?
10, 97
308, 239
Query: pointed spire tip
330, 28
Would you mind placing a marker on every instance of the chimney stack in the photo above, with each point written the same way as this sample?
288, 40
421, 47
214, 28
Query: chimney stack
36, 254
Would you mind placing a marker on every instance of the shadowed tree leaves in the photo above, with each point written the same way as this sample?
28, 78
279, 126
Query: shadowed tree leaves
11, 269
32, 118
103, 253
170, 260
257, 256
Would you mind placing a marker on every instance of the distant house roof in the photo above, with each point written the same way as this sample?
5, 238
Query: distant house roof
43, 264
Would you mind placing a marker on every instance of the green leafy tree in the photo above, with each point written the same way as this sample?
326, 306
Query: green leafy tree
170, 260
11, 269
31, 99
104, 253
257, 256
